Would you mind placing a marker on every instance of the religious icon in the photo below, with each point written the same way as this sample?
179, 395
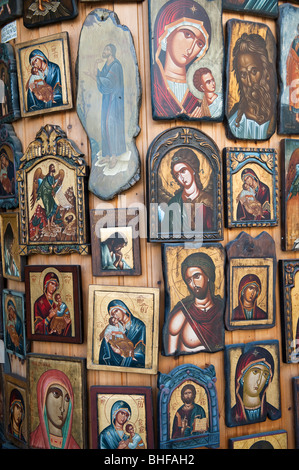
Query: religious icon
10, 154
252, 389
41, 12
290, 193
108, 102
187, 57
16, 410
44, 75
251, 277
53, 303
184, 187
251, 187
10, 10
188, 408
264, 440
115, 242
121, 418
123, 329
12, 263
251, 81
9, 93
194, 298
288, 69
13, 307
289, 302
56, 381
53, 194
295, 386
267, 8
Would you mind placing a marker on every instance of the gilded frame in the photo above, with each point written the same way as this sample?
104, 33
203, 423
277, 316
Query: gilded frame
52, 147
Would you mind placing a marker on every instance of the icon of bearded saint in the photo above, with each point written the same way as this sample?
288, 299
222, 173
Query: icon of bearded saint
253, 117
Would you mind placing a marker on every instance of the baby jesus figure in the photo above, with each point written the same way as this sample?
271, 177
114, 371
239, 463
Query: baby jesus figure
39, 87
249, 201
61, 318
115, 335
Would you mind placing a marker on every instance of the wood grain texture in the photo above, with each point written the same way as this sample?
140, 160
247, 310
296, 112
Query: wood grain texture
135, 16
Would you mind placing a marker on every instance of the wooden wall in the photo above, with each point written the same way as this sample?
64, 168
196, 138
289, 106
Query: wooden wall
135, 16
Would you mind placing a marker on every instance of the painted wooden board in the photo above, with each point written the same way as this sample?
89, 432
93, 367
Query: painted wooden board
187, 59
10, 10
53, 221
194, 298
264, 440
16, 410
184, 385
252, 383
10, 155
251, 82
251, 278
126, 410
289, 156
288, 69
42, 12
15, 340
267, 8
289, 295
108, 102
184, 187
295, 386
115, 242
44, 75
251, 187
54, 303
9, 91
49, 376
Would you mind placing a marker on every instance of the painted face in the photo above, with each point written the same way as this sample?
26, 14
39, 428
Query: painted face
188, 396
208, 84
116, 313
52, 286
37, 63
121, 417
183, 174
255, 380
249, 70
17, 413
197, 281
184, 44
250, 293
57, 404
106, 52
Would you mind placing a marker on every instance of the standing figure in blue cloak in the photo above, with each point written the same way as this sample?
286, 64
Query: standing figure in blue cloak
44, 88
135, 332
110, 83
114, 436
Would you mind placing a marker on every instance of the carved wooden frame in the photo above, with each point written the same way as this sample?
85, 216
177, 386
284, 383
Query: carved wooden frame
167, 383
52, 142
179, 137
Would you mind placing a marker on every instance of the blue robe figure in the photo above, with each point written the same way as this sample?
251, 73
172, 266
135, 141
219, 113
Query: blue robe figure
110, 83
135, 332
110, 437
52, 77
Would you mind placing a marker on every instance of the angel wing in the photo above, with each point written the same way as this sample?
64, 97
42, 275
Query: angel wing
38, 174
60, 176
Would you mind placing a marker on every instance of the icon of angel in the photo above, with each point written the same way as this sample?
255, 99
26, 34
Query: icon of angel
54, 206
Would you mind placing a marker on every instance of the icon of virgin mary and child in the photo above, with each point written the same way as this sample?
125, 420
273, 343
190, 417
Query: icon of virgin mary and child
123, 340
182, 36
